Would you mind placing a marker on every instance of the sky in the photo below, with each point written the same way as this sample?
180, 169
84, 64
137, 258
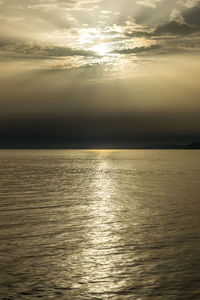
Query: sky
99, 72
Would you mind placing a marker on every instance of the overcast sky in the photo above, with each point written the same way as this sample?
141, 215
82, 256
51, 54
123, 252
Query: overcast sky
99, 69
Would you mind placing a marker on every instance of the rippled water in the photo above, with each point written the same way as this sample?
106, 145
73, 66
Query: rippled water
100, 224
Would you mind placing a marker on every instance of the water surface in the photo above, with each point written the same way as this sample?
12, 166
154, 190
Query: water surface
80, 224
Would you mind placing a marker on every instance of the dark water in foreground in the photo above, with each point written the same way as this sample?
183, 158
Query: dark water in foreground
100, 224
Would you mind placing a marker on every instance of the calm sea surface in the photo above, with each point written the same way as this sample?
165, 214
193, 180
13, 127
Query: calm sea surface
100, 224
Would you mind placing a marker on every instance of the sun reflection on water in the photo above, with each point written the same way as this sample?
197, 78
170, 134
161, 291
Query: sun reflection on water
103, 230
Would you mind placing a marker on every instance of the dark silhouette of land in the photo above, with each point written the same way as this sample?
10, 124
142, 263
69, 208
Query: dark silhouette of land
97, 145
194, 145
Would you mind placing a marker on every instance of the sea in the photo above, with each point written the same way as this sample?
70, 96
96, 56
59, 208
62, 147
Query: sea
99, 224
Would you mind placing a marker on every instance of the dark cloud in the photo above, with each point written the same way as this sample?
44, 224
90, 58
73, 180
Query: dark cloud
14, 47
192, 15
175, 28
137, 49
169, 28
139, 33
187, 23
64, 51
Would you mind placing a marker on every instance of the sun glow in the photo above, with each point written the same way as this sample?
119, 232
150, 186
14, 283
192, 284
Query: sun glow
100, 49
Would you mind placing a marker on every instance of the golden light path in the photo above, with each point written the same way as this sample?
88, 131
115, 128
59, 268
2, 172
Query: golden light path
98, 262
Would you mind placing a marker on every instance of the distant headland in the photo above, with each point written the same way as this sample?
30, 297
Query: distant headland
191, 146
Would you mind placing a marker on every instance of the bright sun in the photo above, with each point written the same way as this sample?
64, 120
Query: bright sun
100, 49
